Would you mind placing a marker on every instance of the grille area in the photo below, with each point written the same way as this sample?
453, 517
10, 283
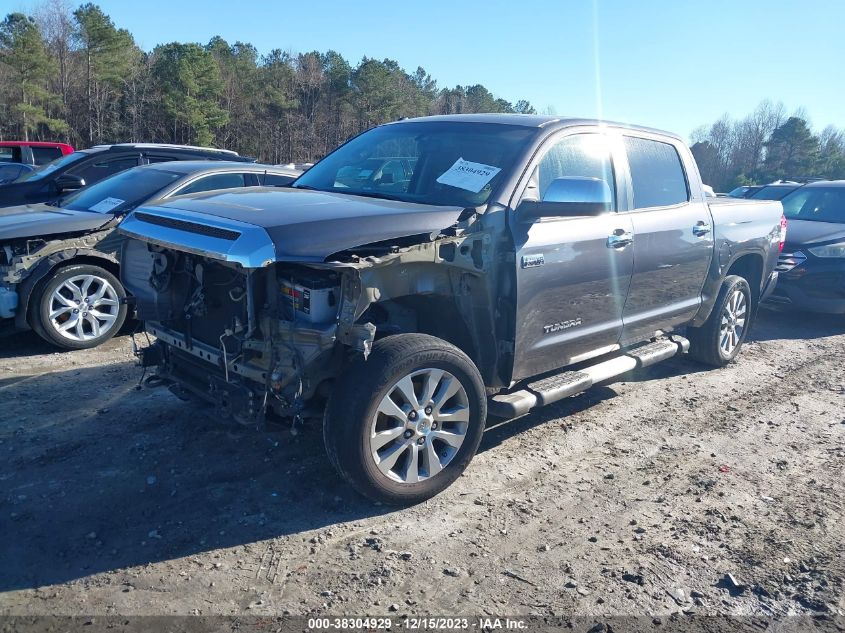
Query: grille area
788, 261
190, 227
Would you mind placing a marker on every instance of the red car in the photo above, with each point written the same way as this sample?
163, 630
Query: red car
32, 152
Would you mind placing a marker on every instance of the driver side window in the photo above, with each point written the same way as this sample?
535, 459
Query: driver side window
578, 155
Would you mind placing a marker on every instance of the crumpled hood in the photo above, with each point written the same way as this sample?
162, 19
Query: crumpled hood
807, 232
41, 220
257, 225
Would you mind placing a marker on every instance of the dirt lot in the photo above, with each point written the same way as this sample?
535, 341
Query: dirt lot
638, 497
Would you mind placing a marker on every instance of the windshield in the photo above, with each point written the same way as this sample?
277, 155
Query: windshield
774, 192
818, 204
436, 162
120, 192
52, 166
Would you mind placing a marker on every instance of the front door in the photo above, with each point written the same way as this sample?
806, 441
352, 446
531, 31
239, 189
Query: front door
673, 241
572, 273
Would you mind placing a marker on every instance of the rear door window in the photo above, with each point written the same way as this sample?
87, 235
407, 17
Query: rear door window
277, 180
43, 155
657, 175
215, 181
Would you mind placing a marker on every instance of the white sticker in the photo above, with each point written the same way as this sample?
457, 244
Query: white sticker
106, 205
365, 173
468, 175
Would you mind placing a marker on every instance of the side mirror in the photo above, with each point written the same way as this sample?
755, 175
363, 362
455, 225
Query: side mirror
571, 196
68, 182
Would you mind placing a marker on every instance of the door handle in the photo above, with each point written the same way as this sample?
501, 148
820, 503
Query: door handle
620, 238
701, 229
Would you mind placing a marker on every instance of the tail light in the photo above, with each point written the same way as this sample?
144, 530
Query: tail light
782, 233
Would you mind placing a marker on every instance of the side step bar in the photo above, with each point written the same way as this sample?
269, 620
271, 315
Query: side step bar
568, 383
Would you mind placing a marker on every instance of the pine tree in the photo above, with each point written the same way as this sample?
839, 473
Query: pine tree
22, 50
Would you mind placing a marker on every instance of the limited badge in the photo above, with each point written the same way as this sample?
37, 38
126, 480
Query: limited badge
532, 261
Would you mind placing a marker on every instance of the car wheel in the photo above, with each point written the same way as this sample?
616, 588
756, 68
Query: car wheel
402, 425
719, 340
79, 307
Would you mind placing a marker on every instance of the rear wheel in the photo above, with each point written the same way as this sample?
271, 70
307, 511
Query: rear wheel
79, 307
719, 340
404, 424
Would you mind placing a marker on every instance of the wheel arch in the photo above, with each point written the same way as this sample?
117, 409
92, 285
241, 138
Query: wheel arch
750, 268
433, 314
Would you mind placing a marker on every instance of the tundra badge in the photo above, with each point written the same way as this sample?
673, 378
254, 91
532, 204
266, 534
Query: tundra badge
561, 325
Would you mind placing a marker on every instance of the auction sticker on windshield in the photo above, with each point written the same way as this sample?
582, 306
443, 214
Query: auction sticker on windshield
106, 205
467, 175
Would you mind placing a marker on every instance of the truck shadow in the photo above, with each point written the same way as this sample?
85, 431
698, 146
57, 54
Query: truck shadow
96, 476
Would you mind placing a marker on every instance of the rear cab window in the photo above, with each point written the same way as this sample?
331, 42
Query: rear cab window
43, 155
657, 174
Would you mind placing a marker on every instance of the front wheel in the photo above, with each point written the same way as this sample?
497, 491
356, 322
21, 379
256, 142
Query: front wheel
78, 307
402, 425
719, 340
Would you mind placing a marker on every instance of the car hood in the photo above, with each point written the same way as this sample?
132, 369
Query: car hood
41, 220
807, 232
256, 226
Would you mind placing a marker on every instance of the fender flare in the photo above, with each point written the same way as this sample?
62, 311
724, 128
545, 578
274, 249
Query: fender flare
44, 268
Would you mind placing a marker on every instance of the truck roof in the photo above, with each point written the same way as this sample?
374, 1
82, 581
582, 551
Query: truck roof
34, 144
532, 120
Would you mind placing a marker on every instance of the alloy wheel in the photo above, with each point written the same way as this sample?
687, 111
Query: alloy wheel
83, 308
732, 324
419, 426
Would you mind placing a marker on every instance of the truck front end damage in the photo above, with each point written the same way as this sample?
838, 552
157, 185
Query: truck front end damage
238, 326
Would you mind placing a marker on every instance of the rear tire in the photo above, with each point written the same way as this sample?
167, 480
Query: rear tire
402, 425
78, 307
719, 340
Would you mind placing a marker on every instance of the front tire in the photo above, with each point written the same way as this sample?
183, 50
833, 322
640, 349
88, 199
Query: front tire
79, 307
402, 425
719, 340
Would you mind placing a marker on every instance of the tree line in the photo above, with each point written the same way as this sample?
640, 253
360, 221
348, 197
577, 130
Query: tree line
767, 145
73, 75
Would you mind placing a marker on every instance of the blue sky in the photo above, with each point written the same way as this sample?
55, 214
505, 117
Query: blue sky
668, 64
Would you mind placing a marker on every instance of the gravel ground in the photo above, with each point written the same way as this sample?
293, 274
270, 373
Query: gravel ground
674, 489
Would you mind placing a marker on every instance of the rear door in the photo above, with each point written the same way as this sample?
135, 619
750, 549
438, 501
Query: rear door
572, 278
673, 238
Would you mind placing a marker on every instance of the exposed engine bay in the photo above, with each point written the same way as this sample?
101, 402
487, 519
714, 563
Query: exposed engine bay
272, 339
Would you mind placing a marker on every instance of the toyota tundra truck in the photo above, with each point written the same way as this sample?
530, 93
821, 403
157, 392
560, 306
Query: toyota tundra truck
432, 271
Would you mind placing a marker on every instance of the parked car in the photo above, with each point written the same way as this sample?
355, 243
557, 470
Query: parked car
774, 191
812, 264
9, 172
85, 167
32, 152
526, 259
745, 191
59, 262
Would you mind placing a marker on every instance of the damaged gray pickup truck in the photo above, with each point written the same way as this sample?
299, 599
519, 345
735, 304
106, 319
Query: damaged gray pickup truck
434, 270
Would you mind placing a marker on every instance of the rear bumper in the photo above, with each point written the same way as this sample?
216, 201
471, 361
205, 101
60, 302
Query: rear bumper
770, 286
817, 287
